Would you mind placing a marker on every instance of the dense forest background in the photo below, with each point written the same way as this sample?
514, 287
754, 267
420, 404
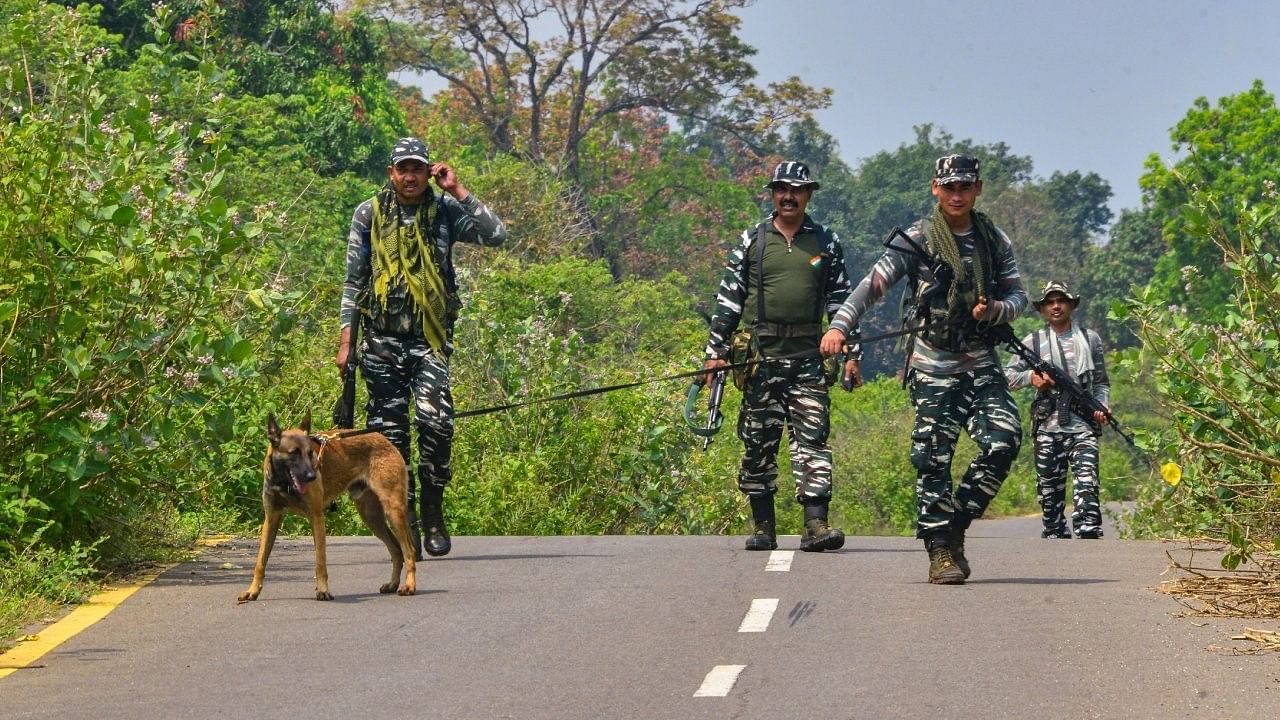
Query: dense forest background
177, 178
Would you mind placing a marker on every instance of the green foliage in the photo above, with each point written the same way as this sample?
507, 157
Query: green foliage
35, 581
1113, 272
614, 463
128, 309
1231, 151
1217, 379
324, 72
875, 488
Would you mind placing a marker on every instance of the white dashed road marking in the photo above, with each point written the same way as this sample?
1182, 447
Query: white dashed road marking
779, 561
719, 681
758, 617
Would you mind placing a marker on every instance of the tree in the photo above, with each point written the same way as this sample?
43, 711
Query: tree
1113, 271
1230, 150
541, 77
324, 72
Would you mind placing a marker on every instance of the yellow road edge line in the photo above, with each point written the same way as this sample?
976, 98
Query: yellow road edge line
91, 611
96, 608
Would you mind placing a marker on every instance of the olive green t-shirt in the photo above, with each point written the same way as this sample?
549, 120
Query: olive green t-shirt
793, 287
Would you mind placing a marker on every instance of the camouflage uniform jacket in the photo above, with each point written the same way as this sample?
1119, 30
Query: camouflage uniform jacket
452, 221
800, 286
899, 261
1094, 380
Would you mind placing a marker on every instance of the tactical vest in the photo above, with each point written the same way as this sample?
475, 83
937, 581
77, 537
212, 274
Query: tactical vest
1046, 401
399, 317
931, 307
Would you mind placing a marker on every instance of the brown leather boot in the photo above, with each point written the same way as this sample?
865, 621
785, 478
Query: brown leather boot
943, 569
819, 536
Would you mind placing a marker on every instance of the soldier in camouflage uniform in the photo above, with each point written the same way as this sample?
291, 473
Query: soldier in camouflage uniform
783, 276
1062, 437
401, 282
963, 276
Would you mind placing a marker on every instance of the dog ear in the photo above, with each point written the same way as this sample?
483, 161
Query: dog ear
273, 430
306, 423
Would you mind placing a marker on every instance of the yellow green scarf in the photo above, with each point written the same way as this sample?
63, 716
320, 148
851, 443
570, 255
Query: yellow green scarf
402, 255
943, 243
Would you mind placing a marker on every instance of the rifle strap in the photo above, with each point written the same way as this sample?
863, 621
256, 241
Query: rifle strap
762, 233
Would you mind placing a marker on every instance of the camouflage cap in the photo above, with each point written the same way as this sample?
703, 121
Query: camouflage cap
956, 168
795, 174
409, 148
1055, 286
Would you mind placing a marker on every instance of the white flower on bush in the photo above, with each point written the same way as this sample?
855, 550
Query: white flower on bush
190, 379
95, 417
171, 372
229, 373
205, 359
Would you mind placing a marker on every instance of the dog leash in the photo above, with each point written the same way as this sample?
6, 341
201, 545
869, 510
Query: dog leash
588, 392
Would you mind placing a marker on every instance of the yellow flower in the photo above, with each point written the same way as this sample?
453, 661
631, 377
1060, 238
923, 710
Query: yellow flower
1171, 473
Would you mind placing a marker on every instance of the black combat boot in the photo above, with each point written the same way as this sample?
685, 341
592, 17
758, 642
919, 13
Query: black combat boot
415, 526
765, 536
942, 565
415, 533
955, 537
433, 523
818, 536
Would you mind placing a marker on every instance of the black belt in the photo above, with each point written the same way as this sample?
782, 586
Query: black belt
783, 330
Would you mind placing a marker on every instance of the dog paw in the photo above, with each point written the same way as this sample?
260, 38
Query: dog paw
387, 588
246, 596
323, 595
407, 590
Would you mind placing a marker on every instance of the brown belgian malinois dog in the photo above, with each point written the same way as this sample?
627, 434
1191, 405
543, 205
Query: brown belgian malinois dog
305, 473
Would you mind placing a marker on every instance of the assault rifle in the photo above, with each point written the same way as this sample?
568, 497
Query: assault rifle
1070, 394
714, 418
344, 411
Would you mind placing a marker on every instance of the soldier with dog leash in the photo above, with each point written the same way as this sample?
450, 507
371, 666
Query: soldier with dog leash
401, 285
783, 276
964, 280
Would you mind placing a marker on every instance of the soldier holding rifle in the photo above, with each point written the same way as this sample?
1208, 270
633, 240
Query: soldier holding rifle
964, 278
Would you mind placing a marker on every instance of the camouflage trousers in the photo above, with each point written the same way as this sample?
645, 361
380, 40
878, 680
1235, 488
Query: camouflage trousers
1054, 452
398, 369
794, 393
978, 401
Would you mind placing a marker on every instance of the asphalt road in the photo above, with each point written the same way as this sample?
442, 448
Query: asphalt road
659, 627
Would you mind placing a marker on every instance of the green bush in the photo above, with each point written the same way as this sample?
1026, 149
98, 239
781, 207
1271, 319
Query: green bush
128, 285
614, 463
1217, 380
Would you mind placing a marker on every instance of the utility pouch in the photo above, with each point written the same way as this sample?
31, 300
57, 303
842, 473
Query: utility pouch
831, 367
1041, 408
744, 348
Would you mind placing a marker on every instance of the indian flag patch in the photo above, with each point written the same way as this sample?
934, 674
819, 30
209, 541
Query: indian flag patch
816, 261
